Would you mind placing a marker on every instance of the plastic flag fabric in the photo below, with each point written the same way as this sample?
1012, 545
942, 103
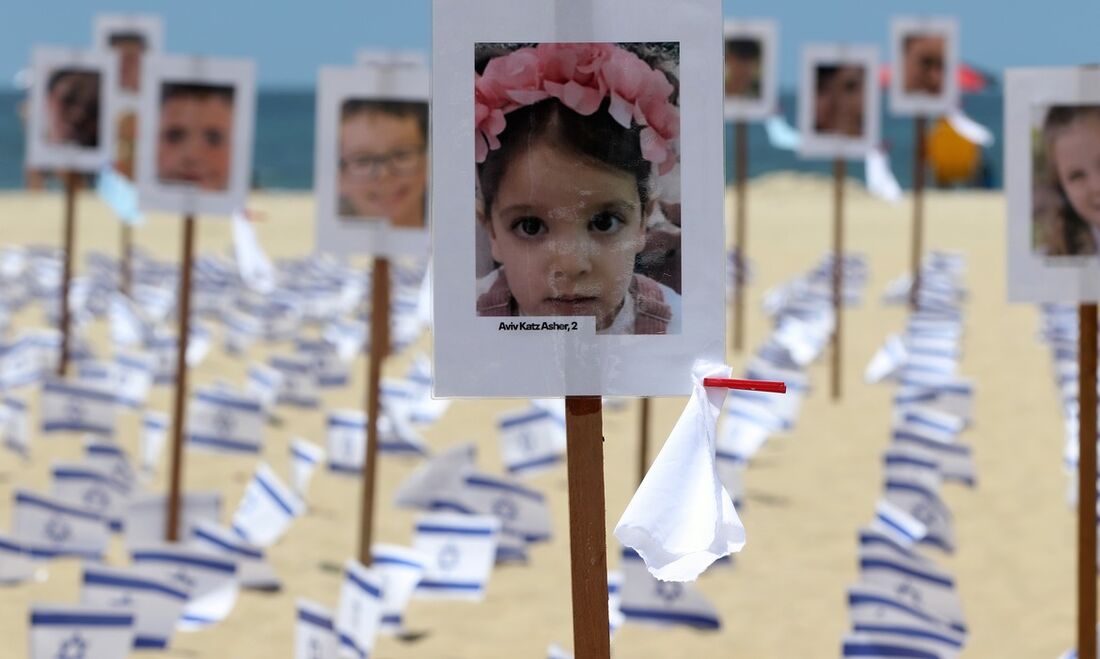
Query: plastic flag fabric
531, 441
681, 519
461, 550
111, 458
14, 427
439, 478
521, 510
155, 604
347, 441
360, 611
304, 458
887, 361
267, 508
922, 585
223, 421
253, 570
146, 516
91, 487
133, 377
16, 565
68, 407
57, 526
899, 642
871, 604
299, 386
896, 522
400, 570
154, 433
209, 581
264, 384
925, 505
70, 631
648, 600
314, 632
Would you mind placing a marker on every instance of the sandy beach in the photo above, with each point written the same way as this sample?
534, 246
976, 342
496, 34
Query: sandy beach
807, 492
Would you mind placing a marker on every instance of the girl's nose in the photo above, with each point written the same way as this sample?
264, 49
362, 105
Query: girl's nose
571, 257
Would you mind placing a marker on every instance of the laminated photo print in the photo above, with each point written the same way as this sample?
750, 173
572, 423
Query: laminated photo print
925, 76
371, 155
750, 74
196, 127
71, 102
1052, 172
838, 101
573, 159
130, 37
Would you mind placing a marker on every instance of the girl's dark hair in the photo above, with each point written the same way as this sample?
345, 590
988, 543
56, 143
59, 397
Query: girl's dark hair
743, 48
1069, 233
417, 110
174, 90
598, 136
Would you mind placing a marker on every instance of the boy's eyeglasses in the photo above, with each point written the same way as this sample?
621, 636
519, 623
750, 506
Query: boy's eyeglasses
399, 162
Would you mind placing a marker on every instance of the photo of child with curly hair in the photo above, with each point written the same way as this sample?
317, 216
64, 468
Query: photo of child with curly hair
1066, 182
195, 135
570, 141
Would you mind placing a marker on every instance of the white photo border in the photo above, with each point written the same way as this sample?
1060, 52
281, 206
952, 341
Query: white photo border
158, 69
473, 357
149, 26
374, 236
767, 32
42, 155
904, 104
818, 145
394, 58
1033, 277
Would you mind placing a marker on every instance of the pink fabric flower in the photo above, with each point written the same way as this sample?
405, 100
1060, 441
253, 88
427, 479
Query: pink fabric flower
488, 121
627, 78
571, 74
514, 77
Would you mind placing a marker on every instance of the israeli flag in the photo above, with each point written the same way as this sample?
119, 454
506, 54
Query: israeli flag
58, 527
887, 643
14, 427
129, 326
111, 458
902, 463
99, 375
20, 363
154, 434
875, 542
954, 461
440, 478
521, 510
133, 374
16, 565
923, 586
396, 434
360, 611
146, 516
304, 458
647, 600
531, 441
731, 472
746, 426
264, 384
91, 487
876, 605
253, 570
255, 269
462, 549
429, 410
155, 604
891, 357
933, 423
314, 632
70, 631
897, 523
225, 422
511, 547
924, 504
300, 381
156, 302
209, 581
332, 371
347, 441
267, 508
161, 344
400, 570
241, 331
347, 336
68, 407
615, 615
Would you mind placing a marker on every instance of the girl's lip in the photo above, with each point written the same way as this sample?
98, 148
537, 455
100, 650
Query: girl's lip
571, 300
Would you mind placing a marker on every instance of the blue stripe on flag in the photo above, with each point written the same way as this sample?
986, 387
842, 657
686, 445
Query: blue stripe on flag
49, 619
452, 530
879, 650
72, 426
393, 560
690, 619
150, 643
204, 563
428, 584
533, 464
135, 583
913, 632
229, 547
364, 586
275, 496
220, 442
222, 400
347, 470
315, 620
885, 519
478, 481
878, 563
26, 498
529, 417
78, 392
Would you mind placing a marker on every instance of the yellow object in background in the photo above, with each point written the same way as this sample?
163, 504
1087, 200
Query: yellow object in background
951, 156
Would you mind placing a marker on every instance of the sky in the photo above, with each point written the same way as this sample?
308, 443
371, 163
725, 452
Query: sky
291, 39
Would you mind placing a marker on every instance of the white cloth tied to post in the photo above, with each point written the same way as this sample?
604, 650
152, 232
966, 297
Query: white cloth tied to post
880, 177
255, 268
682, 519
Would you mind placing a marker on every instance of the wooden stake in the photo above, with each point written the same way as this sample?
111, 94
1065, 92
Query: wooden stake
69, 243
587, 526
741, 172
124, 259
643, 439
1086, 483
918, 208
379, 349
183, 307
839, 167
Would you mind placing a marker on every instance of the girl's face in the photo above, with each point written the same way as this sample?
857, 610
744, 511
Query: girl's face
383, 168
566, 231
839, 106
73, 107
1076, 152
194, 141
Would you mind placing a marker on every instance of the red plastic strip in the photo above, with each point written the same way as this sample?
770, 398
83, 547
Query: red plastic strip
768, 386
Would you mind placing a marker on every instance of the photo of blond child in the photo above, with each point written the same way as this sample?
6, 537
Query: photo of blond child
572, 143
1066, 181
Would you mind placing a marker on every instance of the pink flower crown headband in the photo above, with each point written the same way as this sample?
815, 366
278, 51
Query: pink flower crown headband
580, 76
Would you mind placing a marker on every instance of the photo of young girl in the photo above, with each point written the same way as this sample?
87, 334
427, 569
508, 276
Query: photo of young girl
383, 161
838, 99
73, 107
577, 165
744, 57
195, 135
1066, 181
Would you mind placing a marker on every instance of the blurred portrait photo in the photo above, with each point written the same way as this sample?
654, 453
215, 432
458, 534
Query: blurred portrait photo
130, 46
1065, 177
924, 60
839, 91
72, 106
195, 135
744, 67
383, 161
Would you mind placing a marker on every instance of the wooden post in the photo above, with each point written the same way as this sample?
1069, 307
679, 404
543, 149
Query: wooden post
69, 243
917, 246
741, 173
124, 259
643, 439
587, 526
838, 270
183, 308
1086, 483
379, 349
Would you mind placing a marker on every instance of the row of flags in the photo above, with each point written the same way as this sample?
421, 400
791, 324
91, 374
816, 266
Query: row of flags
904, 603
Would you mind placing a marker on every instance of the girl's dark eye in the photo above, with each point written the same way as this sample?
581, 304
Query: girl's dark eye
174, 135
605, 222
528, 226
214, 138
